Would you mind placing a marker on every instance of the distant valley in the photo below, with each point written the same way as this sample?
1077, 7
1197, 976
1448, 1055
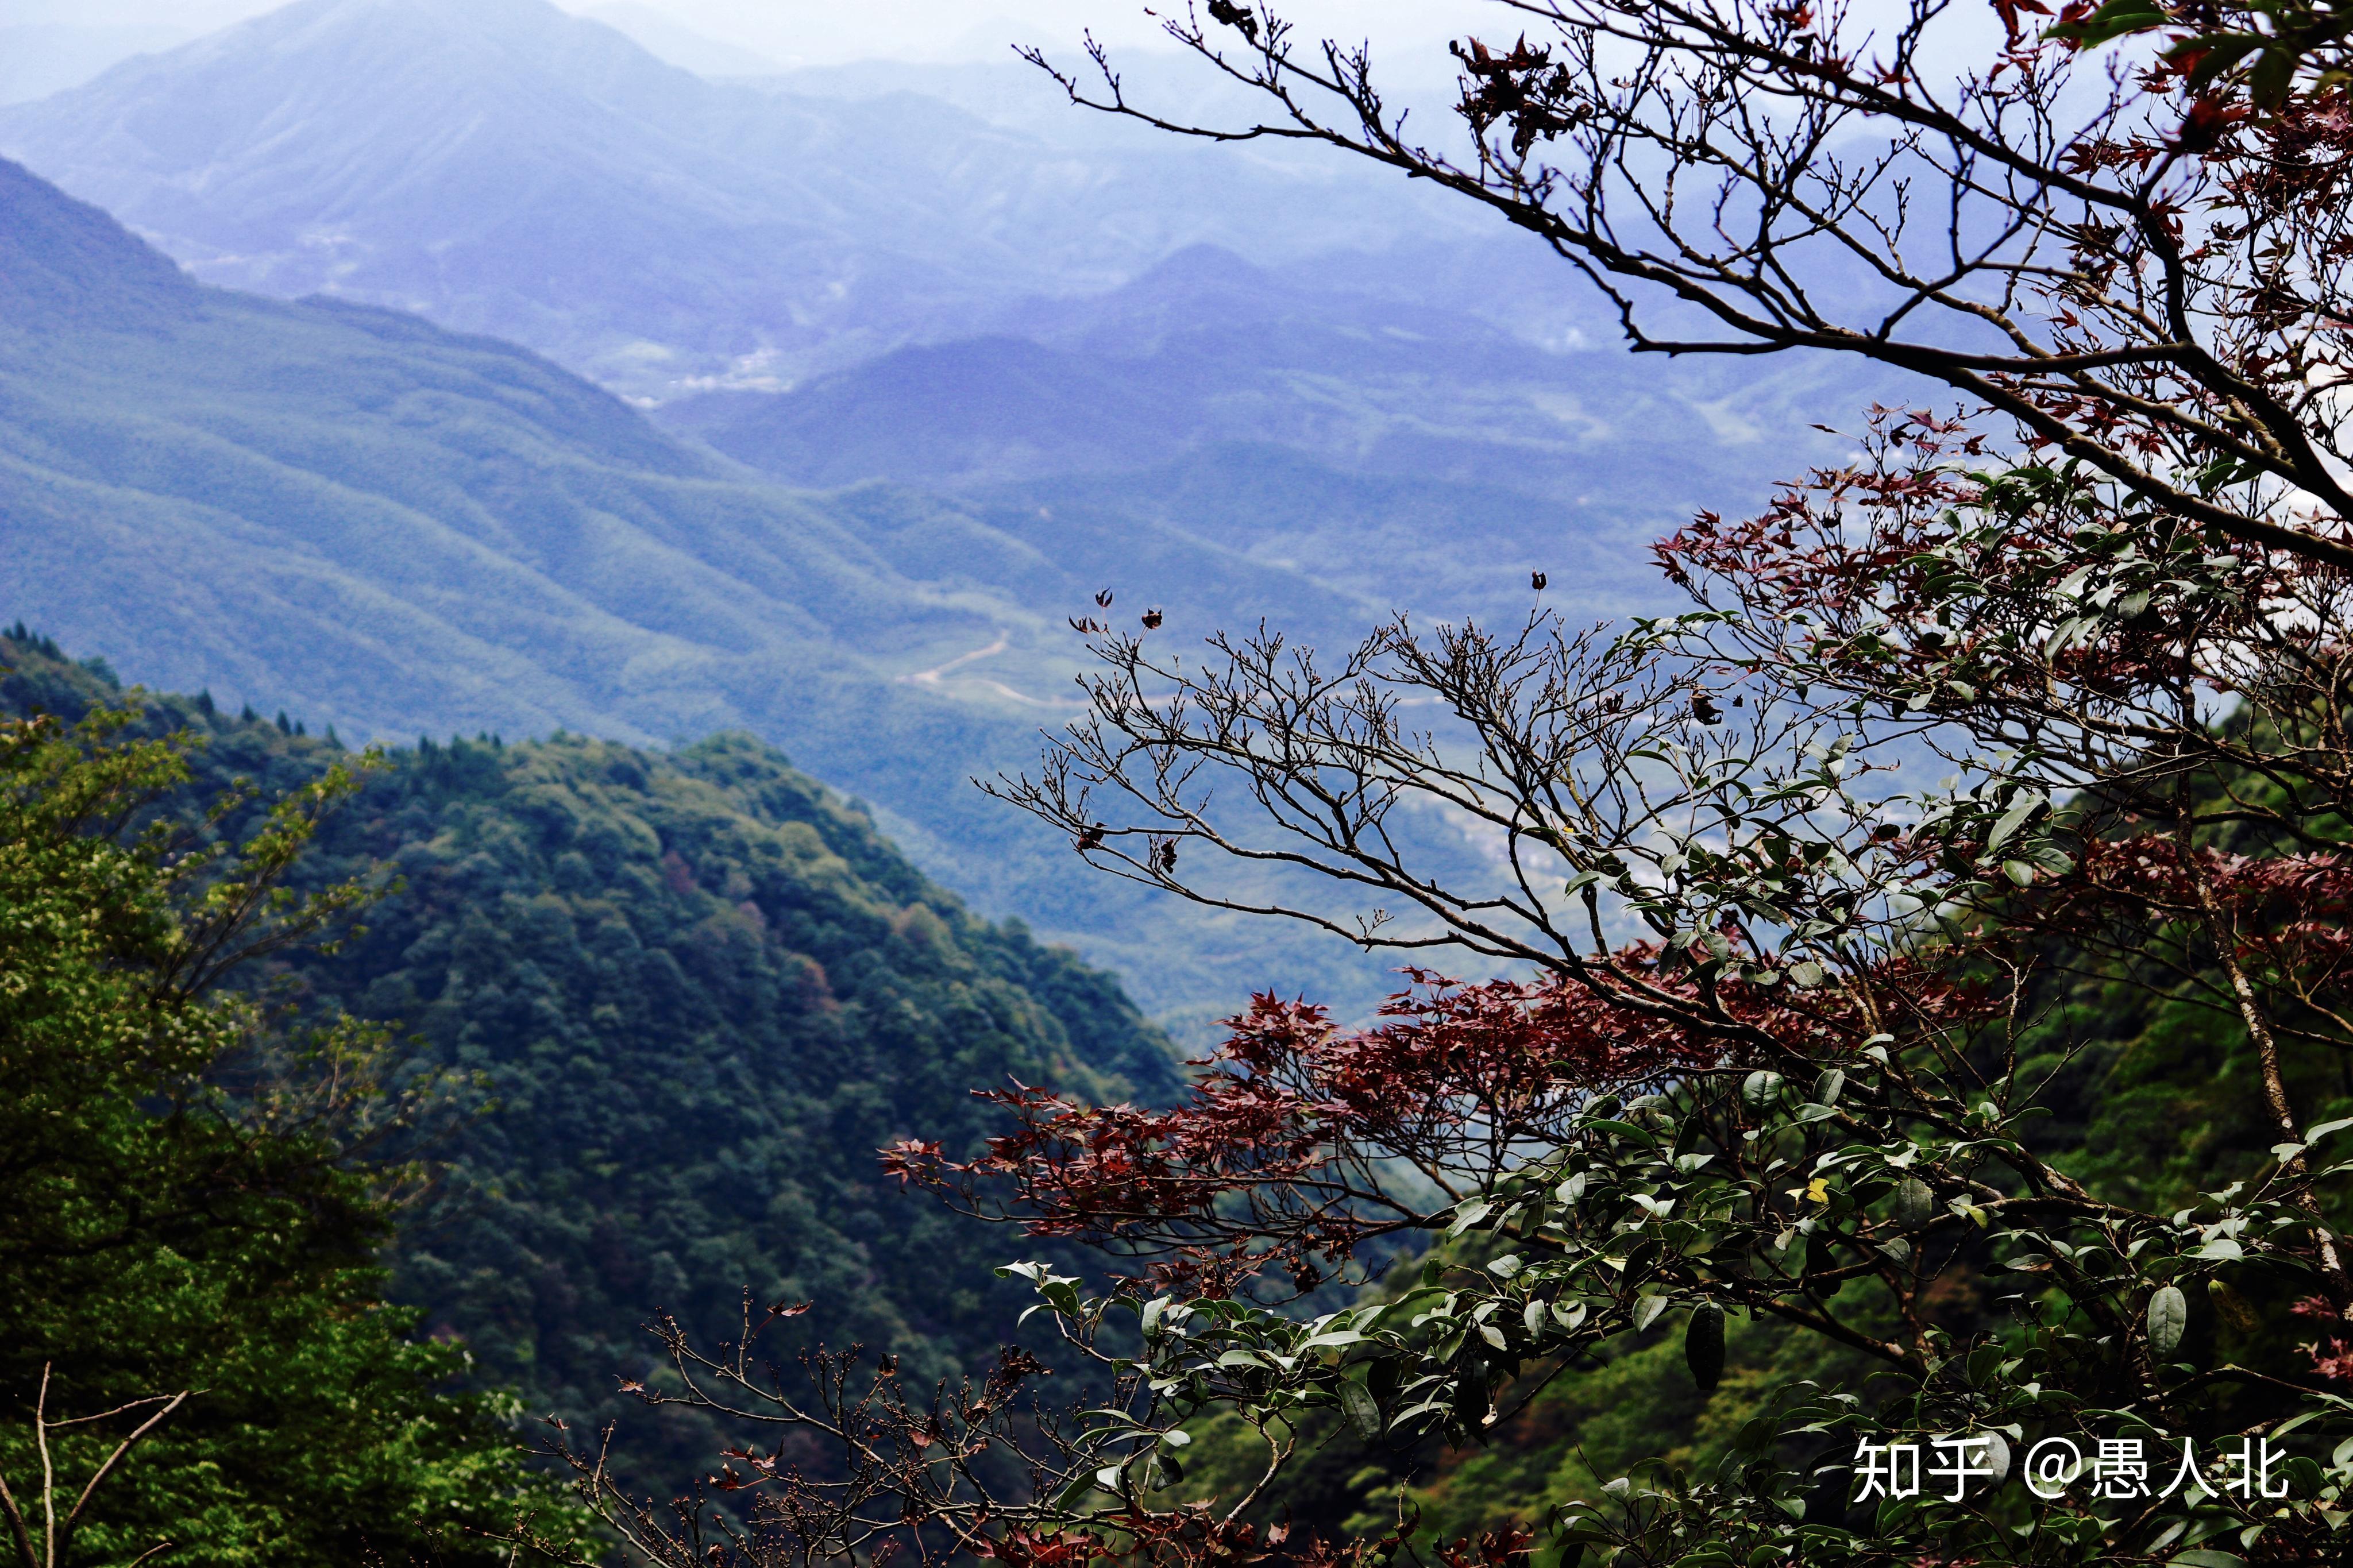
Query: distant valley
395, 530
917, 382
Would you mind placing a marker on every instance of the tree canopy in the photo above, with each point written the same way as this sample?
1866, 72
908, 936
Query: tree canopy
2014, 1103
196, 1193
668, 1004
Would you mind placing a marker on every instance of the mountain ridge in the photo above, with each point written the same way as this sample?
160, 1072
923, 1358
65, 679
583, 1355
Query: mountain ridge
1206, 350
399, 529
507, 167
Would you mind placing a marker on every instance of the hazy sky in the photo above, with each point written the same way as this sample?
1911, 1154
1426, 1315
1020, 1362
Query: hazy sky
936, 28
825, 31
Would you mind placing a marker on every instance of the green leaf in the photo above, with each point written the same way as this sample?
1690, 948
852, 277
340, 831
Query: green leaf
1469, 1214
1703, 1346
2274, 72
1363, 1411
1915, 1205
1759, 1090
2169, 1314
2025, 805
1647, 1310
2113, 20
2231, 1307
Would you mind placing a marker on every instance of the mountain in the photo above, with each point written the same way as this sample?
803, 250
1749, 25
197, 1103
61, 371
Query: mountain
402, 530
1399, 455
367, 477
397, 530
1205, 349
701, 991
499, 167
936, 296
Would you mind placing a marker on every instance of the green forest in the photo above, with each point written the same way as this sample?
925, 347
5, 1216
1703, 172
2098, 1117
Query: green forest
640, 1022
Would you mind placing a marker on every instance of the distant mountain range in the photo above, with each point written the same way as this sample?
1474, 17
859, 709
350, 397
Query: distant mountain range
1000, 286
38, 59
498, 165
392, 529
667, 40
1022, 366
1205, 350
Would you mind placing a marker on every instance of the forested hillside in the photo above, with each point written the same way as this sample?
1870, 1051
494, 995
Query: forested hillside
395, 530
403, 531
700, 991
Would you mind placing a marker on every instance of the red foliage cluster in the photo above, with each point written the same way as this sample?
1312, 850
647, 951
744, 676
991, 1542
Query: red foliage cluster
1269, 1161
2332, 1355
1273, 1160
1020, 1547
2289, 917
1803, 551
1504, 1548
1523, 89
1856, 552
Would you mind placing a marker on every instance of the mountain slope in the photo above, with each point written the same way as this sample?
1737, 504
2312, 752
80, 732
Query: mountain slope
1399, 455
370, 475
499, 167
1205, 349
703, 992
396, 530
518, 171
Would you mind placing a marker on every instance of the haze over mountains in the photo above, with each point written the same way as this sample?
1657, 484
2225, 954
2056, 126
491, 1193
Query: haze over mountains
1205, 349
389, 528
500, 166
1023, 364
673, 42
